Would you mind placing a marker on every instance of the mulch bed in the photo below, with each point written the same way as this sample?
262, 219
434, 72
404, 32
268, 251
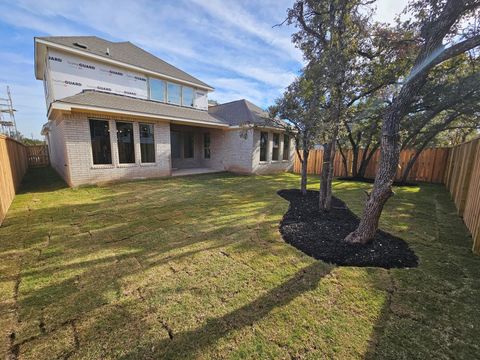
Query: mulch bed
320, 235
371, 181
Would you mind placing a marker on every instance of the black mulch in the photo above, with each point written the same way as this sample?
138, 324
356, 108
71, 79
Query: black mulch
371, 181
321, 235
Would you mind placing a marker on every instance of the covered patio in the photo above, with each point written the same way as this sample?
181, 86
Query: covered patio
195, 150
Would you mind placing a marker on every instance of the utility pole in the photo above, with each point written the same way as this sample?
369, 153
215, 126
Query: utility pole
8, 126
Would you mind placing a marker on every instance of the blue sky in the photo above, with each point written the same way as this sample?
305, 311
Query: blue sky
229, 44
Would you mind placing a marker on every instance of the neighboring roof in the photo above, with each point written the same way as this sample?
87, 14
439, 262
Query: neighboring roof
242, 112
108, 101
124, 52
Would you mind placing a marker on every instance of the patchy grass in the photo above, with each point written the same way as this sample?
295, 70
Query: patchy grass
195, 267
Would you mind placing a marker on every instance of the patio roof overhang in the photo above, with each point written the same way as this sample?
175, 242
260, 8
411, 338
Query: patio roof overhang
115, 105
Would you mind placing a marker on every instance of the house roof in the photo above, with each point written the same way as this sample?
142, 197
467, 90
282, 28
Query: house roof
124, 52
235, 113
242, 112
98, 100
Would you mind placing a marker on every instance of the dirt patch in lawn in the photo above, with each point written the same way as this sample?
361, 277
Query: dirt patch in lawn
371, 181
321, 235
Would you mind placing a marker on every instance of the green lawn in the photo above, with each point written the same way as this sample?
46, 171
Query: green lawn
195, 267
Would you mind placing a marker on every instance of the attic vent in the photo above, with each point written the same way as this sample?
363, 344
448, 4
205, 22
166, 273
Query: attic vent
80, 45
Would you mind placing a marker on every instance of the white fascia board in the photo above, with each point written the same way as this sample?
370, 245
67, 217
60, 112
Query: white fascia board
39, 60
119, 63
63, 106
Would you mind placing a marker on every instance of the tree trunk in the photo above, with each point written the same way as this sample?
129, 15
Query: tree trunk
390, 150
344, 159
355, 151
390, 153
409, 166
365, 161
325, 198
303, 180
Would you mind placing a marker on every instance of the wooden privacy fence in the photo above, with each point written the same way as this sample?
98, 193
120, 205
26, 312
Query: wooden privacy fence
429, 167
13, 165
37, 155
462, 179
458, 168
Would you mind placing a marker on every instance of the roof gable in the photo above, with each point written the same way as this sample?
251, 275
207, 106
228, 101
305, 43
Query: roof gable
240, 112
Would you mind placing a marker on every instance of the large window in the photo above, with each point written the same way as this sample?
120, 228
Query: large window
187, 96
174, 93
147, 143
286, 147
263, 146
100, 137
188, 145
276, 147
126, 150
176, 144
157, 89
206, 145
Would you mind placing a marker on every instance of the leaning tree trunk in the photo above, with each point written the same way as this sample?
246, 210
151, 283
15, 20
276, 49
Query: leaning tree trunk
390, 153
365, 161
409, 166
390, 150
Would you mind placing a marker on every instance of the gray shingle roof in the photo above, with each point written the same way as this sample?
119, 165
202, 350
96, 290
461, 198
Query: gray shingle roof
125, 52
148, 107
241, 112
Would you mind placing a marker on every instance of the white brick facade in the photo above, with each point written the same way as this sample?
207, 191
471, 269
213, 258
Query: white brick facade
235, 150
271, 166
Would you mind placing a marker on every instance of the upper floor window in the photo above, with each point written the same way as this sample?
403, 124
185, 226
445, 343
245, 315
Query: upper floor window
187, 96
286, 147
276, 147
263, 146
174, 93
157, 89
100, 138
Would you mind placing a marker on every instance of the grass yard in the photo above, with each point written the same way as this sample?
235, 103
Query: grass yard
195, 267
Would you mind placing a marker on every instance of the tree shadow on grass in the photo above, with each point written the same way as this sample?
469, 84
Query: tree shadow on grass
187, 344
77, 250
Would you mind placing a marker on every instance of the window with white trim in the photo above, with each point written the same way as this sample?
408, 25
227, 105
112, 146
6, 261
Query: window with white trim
157, 90
187, 96
174, 93
100, 139
276, 147
286, 147
147, 143
263, 146
126, 149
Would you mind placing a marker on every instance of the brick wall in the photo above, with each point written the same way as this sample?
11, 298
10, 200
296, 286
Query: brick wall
238, 149
270, 166
80, 160
232, 150
57, 150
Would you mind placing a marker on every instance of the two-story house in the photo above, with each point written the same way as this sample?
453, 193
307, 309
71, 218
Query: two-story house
116, 112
